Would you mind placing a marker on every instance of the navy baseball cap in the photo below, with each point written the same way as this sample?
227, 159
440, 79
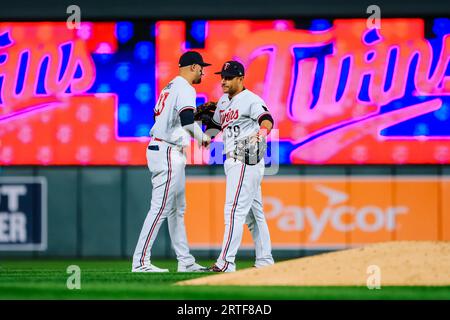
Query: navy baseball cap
192, 57
232, 69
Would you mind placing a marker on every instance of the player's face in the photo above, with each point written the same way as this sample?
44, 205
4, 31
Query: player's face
198, 71
231, 85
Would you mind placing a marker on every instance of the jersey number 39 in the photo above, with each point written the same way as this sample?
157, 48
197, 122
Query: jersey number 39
233, 131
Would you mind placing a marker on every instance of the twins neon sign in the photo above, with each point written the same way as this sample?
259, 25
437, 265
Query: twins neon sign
332, 89
345, 94
36, 73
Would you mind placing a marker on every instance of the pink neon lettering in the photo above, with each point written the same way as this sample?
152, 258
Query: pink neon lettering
37, 53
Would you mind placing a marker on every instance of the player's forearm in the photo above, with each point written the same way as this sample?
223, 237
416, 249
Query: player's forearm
195, 131
265, 127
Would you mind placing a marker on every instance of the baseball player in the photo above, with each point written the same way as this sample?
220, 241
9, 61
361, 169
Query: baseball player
241, 114
174, 124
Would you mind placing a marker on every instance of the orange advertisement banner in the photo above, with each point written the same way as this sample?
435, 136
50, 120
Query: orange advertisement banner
328, 212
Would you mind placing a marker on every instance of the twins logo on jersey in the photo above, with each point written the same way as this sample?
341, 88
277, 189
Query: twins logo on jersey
228, 116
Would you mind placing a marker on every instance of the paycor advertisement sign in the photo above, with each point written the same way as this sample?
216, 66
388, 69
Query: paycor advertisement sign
329, 212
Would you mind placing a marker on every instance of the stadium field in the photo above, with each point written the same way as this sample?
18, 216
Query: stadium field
112, 279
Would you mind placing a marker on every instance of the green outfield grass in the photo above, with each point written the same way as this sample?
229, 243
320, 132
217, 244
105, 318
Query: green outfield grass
106, 279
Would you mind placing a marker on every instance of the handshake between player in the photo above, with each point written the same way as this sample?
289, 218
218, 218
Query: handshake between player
245, 121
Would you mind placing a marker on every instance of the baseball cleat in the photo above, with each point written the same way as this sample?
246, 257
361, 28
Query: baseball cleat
214, 268
192, 268
148, 268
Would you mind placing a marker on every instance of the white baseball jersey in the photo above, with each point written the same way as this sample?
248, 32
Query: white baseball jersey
167, 166
177, 96
239, 116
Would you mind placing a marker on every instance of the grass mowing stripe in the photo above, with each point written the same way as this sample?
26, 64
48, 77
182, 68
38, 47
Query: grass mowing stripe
112, 279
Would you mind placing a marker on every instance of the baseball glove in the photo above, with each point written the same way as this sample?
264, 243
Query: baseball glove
250, 150
205, 112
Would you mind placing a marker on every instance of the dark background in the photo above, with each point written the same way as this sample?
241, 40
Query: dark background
186, 9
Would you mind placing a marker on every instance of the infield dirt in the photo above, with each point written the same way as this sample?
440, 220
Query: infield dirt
398, 263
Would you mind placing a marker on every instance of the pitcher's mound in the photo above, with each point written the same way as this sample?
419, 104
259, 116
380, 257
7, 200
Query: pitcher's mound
402, 263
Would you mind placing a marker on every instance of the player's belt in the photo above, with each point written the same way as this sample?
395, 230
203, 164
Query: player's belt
161, 140
179, 148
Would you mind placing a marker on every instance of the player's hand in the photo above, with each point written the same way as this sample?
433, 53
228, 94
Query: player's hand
259, 137
206, 141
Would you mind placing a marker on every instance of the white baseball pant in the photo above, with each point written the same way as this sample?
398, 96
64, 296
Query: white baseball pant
167, 167
243, 193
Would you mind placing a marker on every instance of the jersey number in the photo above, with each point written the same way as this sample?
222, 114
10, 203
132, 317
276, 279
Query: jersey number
233, 131
161, 103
